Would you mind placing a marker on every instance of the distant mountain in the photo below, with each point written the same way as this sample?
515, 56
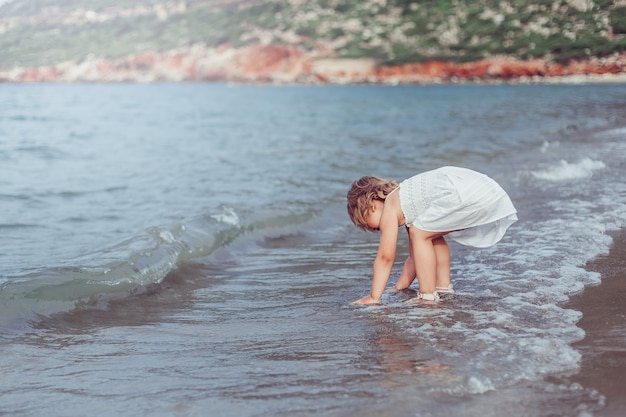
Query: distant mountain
61, 35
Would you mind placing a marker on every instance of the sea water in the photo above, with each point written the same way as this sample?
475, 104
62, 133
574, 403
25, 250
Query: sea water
184, 249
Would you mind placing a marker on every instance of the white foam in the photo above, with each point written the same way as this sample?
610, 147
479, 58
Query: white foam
570, 171
228, 216
166, 236
477, 385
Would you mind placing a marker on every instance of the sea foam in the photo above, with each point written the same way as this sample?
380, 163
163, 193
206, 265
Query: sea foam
570, 171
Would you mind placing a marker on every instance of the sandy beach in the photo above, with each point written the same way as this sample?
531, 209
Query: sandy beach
603, 349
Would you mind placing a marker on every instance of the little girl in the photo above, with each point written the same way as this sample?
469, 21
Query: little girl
465, 205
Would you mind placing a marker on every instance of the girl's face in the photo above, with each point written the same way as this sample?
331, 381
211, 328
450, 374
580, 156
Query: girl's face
374, 215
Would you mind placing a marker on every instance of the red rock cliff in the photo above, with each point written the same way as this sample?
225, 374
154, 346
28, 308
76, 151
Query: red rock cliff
267, 63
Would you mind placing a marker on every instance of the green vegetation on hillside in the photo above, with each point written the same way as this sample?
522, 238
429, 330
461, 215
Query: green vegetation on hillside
43, 32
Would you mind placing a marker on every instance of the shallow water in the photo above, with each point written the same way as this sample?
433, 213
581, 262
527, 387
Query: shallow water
173, 249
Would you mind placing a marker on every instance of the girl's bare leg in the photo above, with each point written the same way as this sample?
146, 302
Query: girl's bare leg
425, 257
407, 276
408, 272
442, 252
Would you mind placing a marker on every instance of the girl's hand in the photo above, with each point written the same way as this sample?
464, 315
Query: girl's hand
367, 300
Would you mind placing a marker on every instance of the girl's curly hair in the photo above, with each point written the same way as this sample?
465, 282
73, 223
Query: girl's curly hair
361, 195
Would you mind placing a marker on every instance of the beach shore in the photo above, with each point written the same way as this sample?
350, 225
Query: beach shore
603, 365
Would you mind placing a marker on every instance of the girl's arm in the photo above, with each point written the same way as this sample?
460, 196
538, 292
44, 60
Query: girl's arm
384, 262
384, 258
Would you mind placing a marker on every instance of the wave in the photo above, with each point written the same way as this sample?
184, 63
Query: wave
570, 171
127, 267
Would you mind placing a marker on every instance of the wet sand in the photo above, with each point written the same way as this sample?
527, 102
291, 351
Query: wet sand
603, 349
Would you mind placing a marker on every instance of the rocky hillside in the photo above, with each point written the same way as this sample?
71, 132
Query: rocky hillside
309, 40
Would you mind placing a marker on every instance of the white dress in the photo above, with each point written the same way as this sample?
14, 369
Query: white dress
470, 205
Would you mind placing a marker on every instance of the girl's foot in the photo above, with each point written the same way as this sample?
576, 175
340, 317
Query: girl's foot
445, 290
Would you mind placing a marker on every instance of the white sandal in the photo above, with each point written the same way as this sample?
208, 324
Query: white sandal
445, 290
429, 298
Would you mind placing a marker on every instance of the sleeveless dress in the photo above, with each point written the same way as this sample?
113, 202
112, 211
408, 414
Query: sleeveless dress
470, 204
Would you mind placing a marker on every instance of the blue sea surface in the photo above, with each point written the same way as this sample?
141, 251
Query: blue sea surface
184, 249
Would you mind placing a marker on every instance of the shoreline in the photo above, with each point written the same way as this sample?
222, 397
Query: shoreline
603, 349
579, 79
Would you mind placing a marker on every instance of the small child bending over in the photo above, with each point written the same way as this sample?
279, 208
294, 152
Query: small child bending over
467, 206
